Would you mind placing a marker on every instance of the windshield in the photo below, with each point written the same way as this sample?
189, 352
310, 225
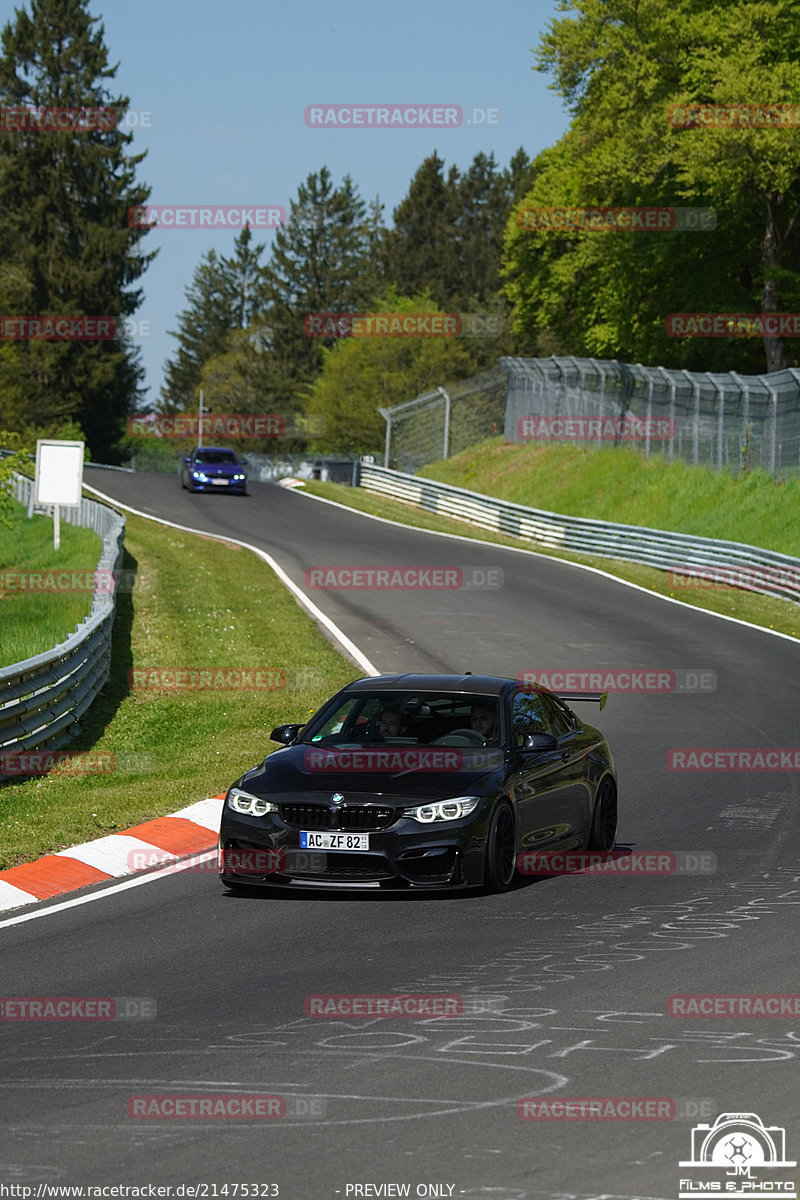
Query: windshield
406, 718
215, 456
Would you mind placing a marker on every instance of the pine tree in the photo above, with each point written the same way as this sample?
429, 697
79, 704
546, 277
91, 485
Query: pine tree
481, 211
66, 245
421, 247
225, 295
321, 262
448, 231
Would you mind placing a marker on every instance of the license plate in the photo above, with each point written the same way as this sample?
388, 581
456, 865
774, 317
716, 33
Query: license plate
334, 841
219, 482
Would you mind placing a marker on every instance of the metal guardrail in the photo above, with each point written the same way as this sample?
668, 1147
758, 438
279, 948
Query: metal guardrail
44, 697
705, 560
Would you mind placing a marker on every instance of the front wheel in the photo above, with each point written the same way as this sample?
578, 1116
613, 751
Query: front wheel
500, 863
603, 833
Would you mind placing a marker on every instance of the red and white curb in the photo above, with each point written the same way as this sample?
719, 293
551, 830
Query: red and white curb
166, 839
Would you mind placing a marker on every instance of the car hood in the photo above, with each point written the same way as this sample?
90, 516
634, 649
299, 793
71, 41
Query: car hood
419, 772
218, 469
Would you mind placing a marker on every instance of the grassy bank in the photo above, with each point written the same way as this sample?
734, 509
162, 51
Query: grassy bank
34, 621
210, 605
622, 485
202, 604
780, 615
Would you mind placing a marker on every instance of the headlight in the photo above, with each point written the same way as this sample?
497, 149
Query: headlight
199, 475
238, 477
244, 802
443, 810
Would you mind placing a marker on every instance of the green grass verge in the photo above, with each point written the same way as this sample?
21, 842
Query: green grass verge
32, 622
213, 605
620, 484
210, 605
780, 615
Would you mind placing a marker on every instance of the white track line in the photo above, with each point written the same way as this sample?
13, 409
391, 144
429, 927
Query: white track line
107, 891
15, 894
349, 646
460, 537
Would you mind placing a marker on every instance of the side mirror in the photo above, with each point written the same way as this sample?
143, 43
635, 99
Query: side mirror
243, 462
539, 741
187, 460
285, 734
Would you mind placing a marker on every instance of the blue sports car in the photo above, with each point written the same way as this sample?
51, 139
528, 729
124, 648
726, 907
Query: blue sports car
214, 469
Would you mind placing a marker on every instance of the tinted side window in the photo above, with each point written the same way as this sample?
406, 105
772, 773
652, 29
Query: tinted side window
528, 715
560, 723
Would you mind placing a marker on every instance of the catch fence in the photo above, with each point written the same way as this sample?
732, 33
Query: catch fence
725, 421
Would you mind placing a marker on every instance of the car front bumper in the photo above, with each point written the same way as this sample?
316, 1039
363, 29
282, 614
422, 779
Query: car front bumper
228, 485
446, 854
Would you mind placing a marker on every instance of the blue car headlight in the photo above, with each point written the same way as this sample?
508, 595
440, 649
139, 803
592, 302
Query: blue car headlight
443, 810
200, 475
238, 477
254, 806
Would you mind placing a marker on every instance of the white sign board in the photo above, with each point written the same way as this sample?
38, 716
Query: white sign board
59, 472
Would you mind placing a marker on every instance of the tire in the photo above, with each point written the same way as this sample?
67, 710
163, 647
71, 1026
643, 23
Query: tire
603, 834
500, 863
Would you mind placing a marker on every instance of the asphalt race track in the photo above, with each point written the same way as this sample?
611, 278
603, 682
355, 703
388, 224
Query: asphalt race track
565, 980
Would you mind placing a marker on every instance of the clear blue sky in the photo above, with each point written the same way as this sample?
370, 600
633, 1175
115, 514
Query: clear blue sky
227, 84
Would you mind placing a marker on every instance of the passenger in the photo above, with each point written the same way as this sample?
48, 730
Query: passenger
392, 724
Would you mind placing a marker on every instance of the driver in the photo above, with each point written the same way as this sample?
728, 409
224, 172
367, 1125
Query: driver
482, 720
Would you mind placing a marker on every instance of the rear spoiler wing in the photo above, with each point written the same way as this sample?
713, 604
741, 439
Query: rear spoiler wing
593, 697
